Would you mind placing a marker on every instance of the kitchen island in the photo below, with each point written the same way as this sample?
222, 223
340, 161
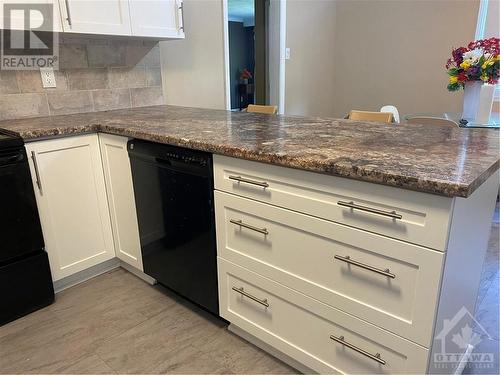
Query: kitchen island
371, 235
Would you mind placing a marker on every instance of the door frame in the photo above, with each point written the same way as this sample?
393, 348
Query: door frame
282, 47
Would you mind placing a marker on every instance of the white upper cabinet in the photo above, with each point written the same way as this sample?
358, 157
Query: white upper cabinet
160, 19
41, 17
111, 17
157, 18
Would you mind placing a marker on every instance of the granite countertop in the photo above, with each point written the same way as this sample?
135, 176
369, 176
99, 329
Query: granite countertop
436, 159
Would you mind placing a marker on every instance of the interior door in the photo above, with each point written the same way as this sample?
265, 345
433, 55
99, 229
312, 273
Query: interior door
71, 196
157, 18
111, 17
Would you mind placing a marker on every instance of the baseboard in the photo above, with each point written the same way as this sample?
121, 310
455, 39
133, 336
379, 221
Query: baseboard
464, 360
86, 274
268, 348
141, 275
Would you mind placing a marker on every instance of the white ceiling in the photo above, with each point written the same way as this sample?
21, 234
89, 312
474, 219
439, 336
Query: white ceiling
241, 11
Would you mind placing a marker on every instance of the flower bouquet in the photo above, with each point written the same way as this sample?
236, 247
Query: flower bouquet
475, 68
245, 75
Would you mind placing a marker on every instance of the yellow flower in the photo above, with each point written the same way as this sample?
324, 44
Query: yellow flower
484, 77
465, 65
453, 79
487, 63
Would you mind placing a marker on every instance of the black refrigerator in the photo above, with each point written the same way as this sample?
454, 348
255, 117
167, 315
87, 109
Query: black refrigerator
25, 279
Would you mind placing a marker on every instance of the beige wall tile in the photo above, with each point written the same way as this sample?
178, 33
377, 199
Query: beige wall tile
153, 76
73, 56
88, 79
102, 56
146, 96
127, 77
95, 74
135, 54
8, 82
111, 99
23, 105
31, 81
61, 103
152, 59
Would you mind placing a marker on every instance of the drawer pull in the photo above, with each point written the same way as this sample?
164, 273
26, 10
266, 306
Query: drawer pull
354, 206
375, 357
348, 259
37, 172
263, 302
247, 181
248, 226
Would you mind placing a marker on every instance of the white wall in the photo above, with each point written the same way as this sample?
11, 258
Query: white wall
363, 54
394, 52
193, 69
310, 34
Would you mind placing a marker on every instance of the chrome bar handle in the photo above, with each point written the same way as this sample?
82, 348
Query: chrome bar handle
181, 8
375, 357
247, 181
248, 226
354, 206
263, 302
348, 259
68, 12
37, 172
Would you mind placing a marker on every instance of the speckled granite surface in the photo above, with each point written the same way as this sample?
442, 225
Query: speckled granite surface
435, 159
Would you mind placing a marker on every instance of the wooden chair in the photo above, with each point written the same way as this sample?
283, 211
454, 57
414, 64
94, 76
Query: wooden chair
268, 109
370, 116
429, 120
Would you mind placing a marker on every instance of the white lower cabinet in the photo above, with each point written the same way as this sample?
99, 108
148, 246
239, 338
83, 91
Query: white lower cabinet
323, 338
71, 196
387, 282
120, 191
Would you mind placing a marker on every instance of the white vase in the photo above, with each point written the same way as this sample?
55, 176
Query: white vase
478, 102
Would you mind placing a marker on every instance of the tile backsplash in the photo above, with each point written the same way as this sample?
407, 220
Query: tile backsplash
93, 75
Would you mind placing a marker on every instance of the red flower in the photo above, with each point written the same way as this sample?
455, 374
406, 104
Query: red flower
462, 77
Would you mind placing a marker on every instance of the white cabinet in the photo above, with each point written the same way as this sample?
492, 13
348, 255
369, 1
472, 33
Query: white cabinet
41, 17
143, 18
110, 17
71, 196
157, 18
121, 201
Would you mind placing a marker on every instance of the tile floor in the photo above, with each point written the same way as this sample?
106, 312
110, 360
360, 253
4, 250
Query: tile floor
488, 306
116, 323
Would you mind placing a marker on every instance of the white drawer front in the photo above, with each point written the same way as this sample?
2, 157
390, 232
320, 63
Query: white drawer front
386, 282
424, 217
301, 328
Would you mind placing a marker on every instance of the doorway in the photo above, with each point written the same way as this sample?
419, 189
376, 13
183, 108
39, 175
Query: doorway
254, 39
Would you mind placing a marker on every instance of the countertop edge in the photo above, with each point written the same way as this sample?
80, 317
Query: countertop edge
444, 189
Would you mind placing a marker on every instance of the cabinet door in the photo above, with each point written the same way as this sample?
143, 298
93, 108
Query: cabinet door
118, 176
37, 21
157, 18
111, 17
71, 197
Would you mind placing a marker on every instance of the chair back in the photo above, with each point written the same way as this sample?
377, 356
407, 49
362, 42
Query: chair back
370, 116
429, 120
268, 109
391, 109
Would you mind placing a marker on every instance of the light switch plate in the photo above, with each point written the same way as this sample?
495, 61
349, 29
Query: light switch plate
48, 77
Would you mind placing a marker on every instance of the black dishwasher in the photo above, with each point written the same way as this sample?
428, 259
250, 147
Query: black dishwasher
173, 189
